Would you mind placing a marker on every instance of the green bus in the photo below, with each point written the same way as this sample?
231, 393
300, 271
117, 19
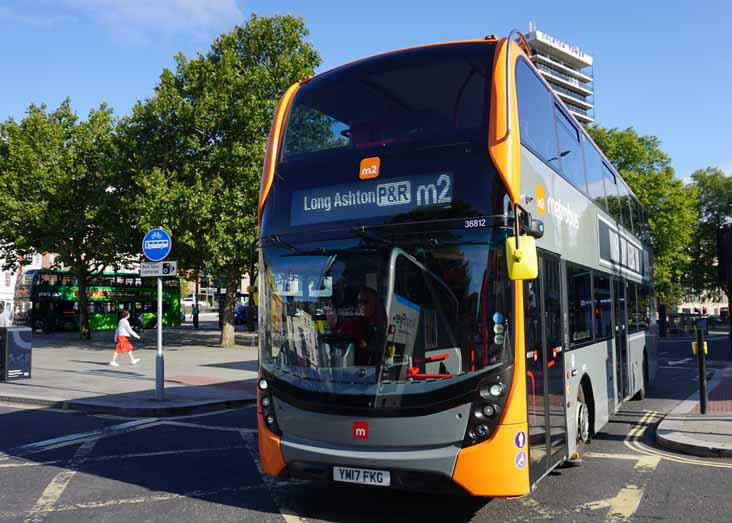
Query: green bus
48, 300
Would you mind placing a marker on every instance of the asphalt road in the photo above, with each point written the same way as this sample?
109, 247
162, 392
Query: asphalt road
62, 466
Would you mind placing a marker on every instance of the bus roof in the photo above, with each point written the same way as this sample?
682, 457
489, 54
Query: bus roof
490, 39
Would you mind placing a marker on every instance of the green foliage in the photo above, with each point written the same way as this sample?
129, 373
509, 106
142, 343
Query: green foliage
311, 130
196, 147
59, 191
714, 206
669, 204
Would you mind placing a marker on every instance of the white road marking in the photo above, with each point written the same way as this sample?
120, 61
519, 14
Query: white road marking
208, 427
138, 501
113, 457
679, 362
56, 488
82, 436
279, 500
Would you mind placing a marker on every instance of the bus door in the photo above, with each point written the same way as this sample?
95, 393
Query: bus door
621, 339
545, 368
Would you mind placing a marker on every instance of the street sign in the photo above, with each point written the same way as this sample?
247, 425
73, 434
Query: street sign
156, 244
158, 269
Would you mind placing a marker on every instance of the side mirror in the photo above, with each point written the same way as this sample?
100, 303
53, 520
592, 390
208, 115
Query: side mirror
522, 260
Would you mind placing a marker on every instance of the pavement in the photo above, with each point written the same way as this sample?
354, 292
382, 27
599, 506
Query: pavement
686, 430
73, 374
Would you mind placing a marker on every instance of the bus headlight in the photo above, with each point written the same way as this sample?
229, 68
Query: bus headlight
489, 410
487, 406
264, 395
480, 431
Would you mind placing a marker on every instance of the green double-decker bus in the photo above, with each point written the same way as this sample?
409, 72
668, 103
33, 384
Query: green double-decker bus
48, 300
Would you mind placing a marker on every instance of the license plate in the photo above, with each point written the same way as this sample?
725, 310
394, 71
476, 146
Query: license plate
380, 478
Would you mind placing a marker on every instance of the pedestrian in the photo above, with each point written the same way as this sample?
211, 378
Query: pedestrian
122, 340
5, 319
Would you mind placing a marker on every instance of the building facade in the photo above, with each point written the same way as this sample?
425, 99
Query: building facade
567, 69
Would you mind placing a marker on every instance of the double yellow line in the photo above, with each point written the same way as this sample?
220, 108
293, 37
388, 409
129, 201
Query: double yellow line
632, 441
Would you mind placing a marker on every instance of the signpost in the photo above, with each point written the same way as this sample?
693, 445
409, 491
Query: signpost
156, 246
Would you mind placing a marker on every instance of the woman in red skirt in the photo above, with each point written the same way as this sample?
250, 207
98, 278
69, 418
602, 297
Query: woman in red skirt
122, 340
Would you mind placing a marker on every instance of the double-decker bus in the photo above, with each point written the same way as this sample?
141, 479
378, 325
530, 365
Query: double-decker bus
455, 291
48, 300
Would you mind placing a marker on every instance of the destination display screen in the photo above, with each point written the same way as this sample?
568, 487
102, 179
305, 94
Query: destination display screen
371, 198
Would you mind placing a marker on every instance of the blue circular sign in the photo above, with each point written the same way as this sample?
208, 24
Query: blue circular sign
520, 439
521, 459
156, 244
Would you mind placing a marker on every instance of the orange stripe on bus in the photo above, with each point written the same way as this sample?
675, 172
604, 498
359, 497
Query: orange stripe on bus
270, 453
499, 143
273, 146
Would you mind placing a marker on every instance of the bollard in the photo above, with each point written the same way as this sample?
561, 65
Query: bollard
702, 366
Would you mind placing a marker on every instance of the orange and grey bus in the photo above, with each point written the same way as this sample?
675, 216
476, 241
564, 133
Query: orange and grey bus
455, 287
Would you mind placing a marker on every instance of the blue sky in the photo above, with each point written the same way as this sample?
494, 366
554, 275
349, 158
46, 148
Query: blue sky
662, 67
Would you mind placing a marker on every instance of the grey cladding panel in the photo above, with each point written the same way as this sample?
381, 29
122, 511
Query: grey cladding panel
443, 428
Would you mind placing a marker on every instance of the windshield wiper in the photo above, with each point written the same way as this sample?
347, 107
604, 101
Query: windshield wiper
361, 231
276, 241
323, 251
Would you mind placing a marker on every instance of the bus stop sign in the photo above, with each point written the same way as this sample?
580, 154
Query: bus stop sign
156, 244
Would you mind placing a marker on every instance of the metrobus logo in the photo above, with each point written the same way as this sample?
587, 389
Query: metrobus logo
540, 199
360, 430
369, 168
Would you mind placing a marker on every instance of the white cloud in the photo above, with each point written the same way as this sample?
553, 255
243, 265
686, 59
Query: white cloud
170, 16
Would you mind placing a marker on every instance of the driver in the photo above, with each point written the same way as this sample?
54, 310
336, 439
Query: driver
361, 329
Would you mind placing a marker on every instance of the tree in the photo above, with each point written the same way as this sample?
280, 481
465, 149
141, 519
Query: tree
59, 193
669, 204
196, 147
714, 206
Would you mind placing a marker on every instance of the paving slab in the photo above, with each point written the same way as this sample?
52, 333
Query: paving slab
686, 430
199, 375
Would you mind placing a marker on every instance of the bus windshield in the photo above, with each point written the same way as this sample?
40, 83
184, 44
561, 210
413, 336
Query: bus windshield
439, 92
386, 316
398, 138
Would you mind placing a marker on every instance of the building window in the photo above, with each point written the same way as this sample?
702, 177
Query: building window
8, 278
580, 303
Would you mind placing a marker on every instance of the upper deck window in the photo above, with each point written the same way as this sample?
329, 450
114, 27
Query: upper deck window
595, 185
536, 122
570, 152
435, 92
